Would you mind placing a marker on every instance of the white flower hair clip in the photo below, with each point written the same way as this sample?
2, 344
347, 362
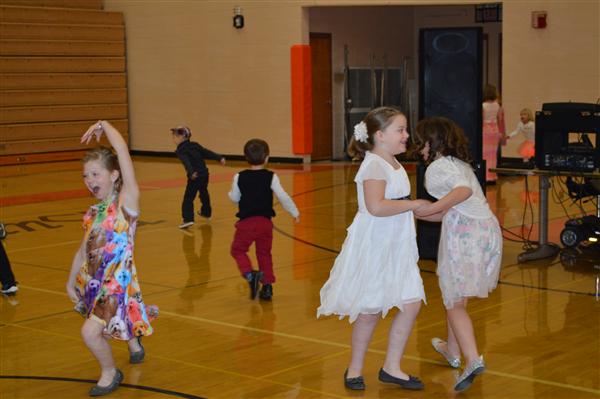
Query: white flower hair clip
360, 132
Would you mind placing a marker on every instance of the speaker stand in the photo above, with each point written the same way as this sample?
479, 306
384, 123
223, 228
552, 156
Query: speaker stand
543, 251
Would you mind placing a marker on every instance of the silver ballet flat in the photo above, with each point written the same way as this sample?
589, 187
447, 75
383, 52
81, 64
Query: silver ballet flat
437, 344
473, 369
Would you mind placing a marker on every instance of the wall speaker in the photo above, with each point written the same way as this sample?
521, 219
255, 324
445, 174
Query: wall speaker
450, 85
450, 79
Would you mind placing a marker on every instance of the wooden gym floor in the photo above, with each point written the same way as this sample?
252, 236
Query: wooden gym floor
539, 330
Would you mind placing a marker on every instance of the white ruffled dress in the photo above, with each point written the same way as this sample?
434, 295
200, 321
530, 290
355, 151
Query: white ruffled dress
376, 269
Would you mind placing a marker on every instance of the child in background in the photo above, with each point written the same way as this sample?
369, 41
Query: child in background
470, 248
253, 190
377, 270
192, 156
493, 130
526, 127
7, 278
103, 281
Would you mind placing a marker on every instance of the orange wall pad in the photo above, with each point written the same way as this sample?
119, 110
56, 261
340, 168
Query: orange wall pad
302, 133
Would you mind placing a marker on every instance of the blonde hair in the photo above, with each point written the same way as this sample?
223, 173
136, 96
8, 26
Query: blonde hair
377, 119
528, 112
109, 161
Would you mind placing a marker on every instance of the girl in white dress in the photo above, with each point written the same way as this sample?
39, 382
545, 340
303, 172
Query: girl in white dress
376, 269
526, 127
470, 247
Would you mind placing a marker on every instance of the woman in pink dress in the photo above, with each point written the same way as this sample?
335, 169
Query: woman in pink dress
493, 129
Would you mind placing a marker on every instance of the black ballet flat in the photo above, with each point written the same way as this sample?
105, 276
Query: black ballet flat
355, 383
137, 357
97, 390
413, 383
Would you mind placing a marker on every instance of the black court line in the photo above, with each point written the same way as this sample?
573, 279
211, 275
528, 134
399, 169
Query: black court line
81, 380
304, 241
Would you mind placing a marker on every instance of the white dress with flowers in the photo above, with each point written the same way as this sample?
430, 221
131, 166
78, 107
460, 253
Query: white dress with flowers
470, 249
376, 269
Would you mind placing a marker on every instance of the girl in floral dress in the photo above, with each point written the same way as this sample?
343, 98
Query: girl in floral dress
103, 280
470, 247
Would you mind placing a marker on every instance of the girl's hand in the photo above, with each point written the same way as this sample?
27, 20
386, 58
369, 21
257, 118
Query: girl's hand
72, 293
424, 209
95, 130
297, 219
420, 203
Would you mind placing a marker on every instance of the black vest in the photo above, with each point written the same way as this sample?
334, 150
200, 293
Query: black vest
257, 196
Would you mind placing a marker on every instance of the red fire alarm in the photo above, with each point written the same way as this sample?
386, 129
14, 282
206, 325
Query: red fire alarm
538, 19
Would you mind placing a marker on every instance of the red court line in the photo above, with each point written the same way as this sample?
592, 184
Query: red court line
150, 185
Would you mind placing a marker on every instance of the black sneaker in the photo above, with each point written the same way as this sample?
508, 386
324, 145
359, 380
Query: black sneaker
254, 282
266, 292
10, 289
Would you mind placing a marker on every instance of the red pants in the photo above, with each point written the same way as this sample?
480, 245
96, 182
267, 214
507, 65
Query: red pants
257, 229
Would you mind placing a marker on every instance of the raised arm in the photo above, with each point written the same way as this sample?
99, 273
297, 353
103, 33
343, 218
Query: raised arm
377, 205
208, 154
130, 192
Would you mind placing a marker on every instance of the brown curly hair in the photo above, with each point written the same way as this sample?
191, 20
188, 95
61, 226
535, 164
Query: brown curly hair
377, 119
444, 137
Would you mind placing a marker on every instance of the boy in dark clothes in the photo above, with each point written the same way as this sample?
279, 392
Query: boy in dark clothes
192, 156
253, 190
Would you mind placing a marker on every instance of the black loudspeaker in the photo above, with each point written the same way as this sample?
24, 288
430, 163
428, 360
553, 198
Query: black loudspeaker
567, 137
450, 85
450, 79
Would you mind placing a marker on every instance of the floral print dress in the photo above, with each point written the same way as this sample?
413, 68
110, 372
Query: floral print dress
470, 250
107, 283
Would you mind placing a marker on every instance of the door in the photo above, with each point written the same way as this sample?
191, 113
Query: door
320, 45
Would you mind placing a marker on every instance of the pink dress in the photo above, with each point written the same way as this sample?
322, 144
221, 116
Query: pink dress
492, 133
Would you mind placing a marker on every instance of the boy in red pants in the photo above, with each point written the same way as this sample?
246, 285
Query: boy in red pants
253, 190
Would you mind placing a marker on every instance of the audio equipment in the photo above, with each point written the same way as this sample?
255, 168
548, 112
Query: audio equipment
566, 137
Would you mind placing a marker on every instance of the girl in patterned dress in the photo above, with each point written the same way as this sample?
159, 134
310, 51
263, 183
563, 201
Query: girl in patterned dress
103, 280
470, 247
377, 269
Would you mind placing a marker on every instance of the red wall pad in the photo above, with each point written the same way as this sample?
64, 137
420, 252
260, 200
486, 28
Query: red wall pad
302, 132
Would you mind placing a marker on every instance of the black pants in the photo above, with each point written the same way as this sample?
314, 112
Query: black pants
200, 186
6, 274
